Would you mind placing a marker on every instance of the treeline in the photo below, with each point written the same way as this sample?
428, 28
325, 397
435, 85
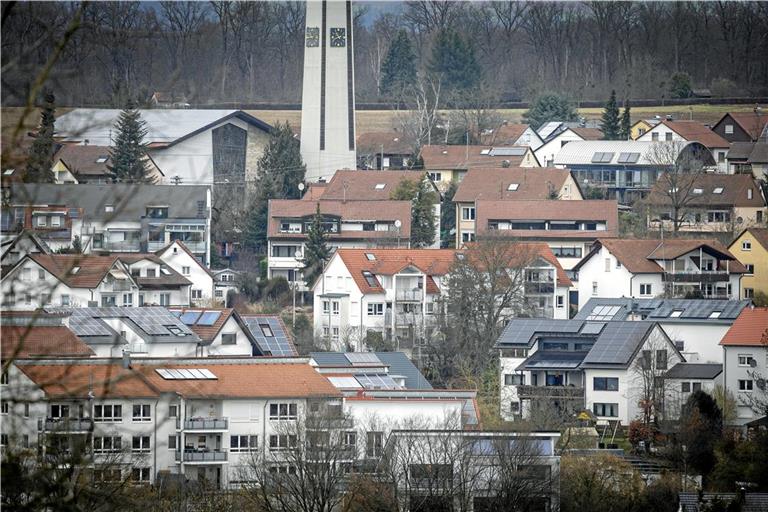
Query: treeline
214, 52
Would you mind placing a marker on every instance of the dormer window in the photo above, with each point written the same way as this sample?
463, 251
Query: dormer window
513, 186
157, 212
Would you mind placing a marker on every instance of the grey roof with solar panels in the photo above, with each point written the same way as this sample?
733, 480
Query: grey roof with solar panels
663, 310
398, 363
154, 324
270, 334
703, 371
607, 152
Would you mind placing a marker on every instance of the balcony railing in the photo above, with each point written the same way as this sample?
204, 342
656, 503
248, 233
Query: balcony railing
536, 288
704, 276
193, 246
557, 392
202, 424
202, 456
124, 246
122, 285
409, 295
65, 424
155, 246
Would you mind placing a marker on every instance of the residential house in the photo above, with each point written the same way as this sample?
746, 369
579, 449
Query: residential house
119, 217
178, 257
36, 335
446, 164
741, 126
703, 501
625, 170
224, 280
270, 335
507, 184
749, 158
559, 137
39, 280
188, 147
383, 150
202, 419
570, 228
641, 126
695, 326
395, 294
168, 99
512, 134
348, 224
707, 203
649, 268
76, 163
745, 363
684, 379
26, 242
751, 248
569, 365
394, 365
690, 131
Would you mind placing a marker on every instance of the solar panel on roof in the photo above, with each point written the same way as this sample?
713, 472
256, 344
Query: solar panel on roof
209, 318
185, 373
278, 344
190, 317
507, 151
362, 358
376, 381
593, 328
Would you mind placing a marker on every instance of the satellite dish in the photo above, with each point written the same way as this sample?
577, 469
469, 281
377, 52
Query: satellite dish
301, 186
398, 223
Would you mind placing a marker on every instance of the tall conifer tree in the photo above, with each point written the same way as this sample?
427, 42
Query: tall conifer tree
610, 120
398, 71
282, 161
316, 251
626, 122
129, 153
40, 160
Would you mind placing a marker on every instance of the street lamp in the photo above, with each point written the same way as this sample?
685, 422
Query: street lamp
296, 255
397, 225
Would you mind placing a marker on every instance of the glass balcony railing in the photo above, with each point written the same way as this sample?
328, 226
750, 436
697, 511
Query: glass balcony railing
201, 455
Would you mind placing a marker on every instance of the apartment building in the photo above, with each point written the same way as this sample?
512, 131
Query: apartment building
198, 419
570, 228
696, 326
65, 280
114, 218
507, 184
649, 268
745, 363
565, 366
395, 294
347, 224
707, 203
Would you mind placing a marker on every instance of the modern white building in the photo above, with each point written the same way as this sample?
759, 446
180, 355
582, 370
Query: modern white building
561, 136
328, 94
684, 379
178, 257
650, 268
745, 363
690, 131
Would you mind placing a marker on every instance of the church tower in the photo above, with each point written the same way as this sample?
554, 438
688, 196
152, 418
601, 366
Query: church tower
328, 96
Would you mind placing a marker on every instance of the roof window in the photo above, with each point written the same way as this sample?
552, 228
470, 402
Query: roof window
267, 330
8, 172
482, 152
698, 191
380, 186
715, 314
370, 257
102, 159
74, 270
718, 190
109, 208
676, 313
513, 186
370, 279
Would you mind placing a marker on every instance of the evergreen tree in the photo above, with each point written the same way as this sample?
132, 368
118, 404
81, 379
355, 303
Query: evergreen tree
610, 120
625, 123
40, 161
316, 251
448, 217
681, 86
129, 153
398, 71
422, 199
454, 59
282, 161
549, 107
255, 233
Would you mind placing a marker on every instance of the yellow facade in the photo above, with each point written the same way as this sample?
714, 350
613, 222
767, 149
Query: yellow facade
639, 128
748, 249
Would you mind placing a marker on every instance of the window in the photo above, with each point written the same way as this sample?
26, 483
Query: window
185, 271
165, 299
745, 384
243, 443
607, 264
750, 269
282, 441
109, 208
729, 129
335, 335
514, 379
680, 345
594, 288
229, 338
567, 252
107, 412
26, 274
685, 387
718, 216
516, 353
3, 439
326, 307
142, 413
197, 294
370, 279
350, 439
127, 299
140, 444
560, 300
696, 386
59, 411
107, 444
141, 299
42, 221
749, 293
512, 187
151, 272
668, 136
140, 475
375, 444
380, 186
335, 307
718, 190
436, 176
4, 378
467, 236
661, 359
468, 213
375, 309
284, 411
746, 360
4, 407
173, 442
606, 410
655, 136
56, 220
676, 313
65, 300
605, 383
107, 475
157, 212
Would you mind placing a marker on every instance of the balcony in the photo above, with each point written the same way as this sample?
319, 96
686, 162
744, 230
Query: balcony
192, 245
204, 424
65, 425
156, 245
409, 295
550, 392
539, 288
201, 456
122, 285
704, 276
123, 246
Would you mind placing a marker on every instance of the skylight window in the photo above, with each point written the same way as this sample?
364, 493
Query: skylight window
267, 330
8, 172
698, 191
380, 186
109, 208
513, 186
718, 190
676, 313
370, 279
74, 270
186, 374
101, 159
484, 152
165, 271
715, 314
370, 257
173, 329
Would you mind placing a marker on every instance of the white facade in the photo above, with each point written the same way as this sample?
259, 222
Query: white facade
328, 97
546, 152
742, 367
183, 262
662, 132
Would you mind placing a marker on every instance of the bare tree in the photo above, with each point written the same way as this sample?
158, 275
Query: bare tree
649, 376
418, 123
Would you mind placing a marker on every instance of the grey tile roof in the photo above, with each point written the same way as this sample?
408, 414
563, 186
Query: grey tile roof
129, 201
617, 343
398, 363
660, 310
703, 371
521, 331
753, 501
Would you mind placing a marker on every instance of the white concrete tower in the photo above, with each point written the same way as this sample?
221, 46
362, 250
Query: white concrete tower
328, 98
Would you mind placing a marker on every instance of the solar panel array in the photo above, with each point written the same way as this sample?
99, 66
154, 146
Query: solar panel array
152, 320
376, 381
593, 328
83, 324
186, 374
508, 151
345, 382
362, 358
209, 318
603, 312
277, 345
617, 342
519, 331
692, 308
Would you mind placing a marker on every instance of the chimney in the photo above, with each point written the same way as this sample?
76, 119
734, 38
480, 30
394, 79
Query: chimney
126, 359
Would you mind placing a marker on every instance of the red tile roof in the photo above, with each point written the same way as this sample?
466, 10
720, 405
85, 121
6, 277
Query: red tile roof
92, 269
207, 333
361, 185
549, 209
735, 191
505, 134
349, 210
588, 133
392, 143
749, 122
81, 159
533, 183
314, 191
698, 132
246, 380
749, 329
22, 342
464, 157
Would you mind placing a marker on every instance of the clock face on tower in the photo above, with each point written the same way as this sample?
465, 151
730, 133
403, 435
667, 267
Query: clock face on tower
338, 37
313, 37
